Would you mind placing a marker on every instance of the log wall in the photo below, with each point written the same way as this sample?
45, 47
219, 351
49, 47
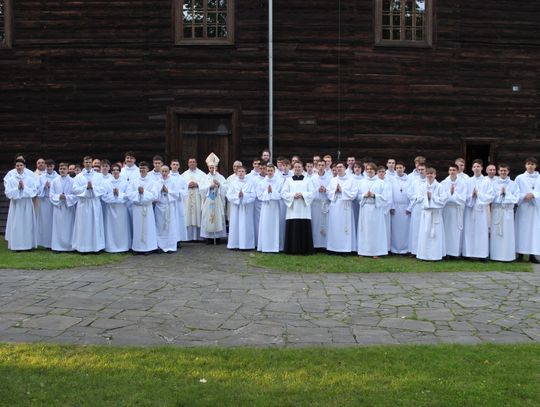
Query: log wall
98, 76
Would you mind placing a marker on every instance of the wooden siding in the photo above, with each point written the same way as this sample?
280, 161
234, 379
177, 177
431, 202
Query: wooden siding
98, 77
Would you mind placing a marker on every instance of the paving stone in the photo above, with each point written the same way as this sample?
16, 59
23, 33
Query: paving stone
435, 314
399, 301
55, 322
408, 324
471, 302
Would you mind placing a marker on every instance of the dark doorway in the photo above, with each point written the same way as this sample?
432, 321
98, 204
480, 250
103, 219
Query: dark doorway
199, 133
475, 151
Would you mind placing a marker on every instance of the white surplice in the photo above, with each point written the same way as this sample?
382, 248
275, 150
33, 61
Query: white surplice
526, 212
319, 211
117, 220
416, 211
63, 218
182, 187
165, 214
502, 242
341, 227
372, 239
144, 223
431, 237
476, 218
453, 215
44, 209
241, 232
88, 230
400, 219
271, 237
21, 222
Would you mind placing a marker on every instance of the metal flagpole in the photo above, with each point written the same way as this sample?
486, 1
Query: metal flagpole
270, 80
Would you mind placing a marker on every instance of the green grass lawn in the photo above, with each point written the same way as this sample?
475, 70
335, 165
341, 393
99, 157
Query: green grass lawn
43, 259
327, 263
445, 375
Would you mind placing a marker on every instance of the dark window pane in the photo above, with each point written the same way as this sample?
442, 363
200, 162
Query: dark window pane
212, 4
199, 17
222, 4
199, 32
386, 5
419, 21
395, 35
386, 19
396, 6
396, 20
211, 32
188, 4
211, 18
198, 4
222, 31
188, 17
222, 18
419, 35
187, 32
408, 35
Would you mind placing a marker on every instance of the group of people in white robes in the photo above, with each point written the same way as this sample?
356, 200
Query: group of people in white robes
352, 207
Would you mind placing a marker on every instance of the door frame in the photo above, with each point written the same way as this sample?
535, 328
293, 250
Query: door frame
174, 138
491, 141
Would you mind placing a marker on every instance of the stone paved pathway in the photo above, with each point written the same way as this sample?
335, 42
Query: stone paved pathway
210, 296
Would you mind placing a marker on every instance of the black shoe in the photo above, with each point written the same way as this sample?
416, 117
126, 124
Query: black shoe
483, 260
533, 259
519, 257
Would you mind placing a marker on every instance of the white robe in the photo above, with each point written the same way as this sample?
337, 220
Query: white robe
341, 227
387, 207
526, 214
372, 239
88, 231
129, 174
502, 243
165, 214
453, 215
21, 222
144, 223
431, 237
193, 203
271, 237
117, 220
400, 219
475, 220
241, 222
180, 212
319, 211
63, 218
213, 207
535, 239
416, 211
356, 203
44, 210
297, 208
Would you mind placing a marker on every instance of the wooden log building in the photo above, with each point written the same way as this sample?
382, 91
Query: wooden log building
440, 78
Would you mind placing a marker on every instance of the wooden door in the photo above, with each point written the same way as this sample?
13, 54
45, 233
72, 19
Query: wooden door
195, 134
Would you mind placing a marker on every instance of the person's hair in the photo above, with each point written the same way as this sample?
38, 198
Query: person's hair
388, 159
192, 158
286, 161
299, 162
478, 161
371, 165
256, 159
422, 165
20, 160
280, 158
459, 160
358, 164
105, 162
49, 161
531, 160
504, 165
116, 166
270, 166
87, 157
241, 168
157, 158
381, 168
144, 164
453, 166
367, 159
18, 156
78, 166
175, 160
130, 154
63, 164
310, 162
340, 162
263, 163
420, 159
400, 163
431, 170
327, 156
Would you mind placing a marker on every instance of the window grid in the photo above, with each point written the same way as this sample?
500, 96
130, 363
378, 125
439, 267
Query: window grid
403, 20
205, 19
3, 10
